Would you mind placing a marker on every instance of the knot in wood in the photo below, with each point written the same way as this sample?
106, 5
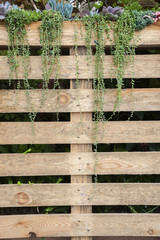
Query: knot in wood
63, 98
32, 234
151, 232
22, 198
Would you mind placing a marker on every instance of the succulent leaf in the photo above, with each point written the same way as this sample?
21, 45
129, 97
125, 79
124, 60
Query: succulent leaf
112, 13
4, 8
65, 9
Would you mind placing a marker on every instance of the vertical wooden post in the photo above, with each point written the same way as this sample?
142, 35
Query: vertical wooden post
77, 117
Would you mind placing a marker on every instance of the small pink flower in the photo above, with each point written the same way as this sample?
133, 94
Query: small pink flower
157, 14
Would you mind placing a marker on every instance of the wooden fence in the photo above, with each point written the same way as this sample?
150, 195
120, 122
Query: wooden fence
79, 163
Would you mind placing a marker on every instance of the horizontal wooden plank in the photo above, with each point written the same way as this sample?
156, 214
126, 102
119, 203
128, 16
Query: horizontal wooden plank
79, 194
149, 36
80, 132
33, 237
68, 101
94, 238
62, 225
145, 66
109, 238
36, 164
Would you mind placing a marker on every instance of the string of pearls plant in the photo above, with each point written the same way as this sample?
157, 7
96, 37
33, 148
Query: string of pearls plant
98, 25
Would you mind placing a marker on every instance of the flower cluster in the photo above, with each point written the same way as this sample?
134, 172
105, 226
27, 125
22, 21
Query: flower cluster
157, 16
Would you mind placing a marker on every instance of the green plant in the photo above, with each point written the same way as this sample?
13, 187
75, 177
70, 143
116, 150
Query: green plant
5, 8
18, 52
64, 8
132, 4
125, 45
143, 18
50, 34
50, 38
112, 13
98, 25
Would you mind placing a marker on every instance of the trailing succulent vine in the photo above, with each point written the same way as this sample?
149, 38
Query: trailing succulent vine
19, 50
124, 51
97, 23
50, 39
18, 53
124, 41
98, 26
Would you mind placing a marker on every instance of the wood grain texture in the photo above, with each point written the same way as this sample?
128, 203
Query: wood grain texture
67, 101
36, 164
149, 36
76, 117
79, 194
80, 132
94, 238
145, 66
62, 225
114, 238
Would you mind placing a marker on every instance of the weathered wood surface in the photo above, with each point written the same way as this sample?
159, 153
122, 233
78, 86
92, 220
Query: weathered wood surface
67, 101
113, 238
80, 133
80, 225
36, 164
94, 238
79, 194
145, 66
149, 36
76, 117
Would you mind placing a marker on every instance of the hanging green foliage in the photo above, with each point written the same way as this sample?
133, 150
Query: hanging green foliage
18, 53
19, 50
97, 25
50, 39
124, 51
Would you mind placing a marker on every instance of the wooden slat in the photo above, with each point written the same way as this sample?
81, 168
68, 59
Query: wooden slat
139, 99
63, 225
109, 238
33, 237
145, 66
94, 238
79, 133
76, 117
149, 36
79, 194
36, 164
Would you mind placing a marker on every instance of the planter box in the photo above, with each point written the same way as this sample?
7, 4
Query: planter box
80, 162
